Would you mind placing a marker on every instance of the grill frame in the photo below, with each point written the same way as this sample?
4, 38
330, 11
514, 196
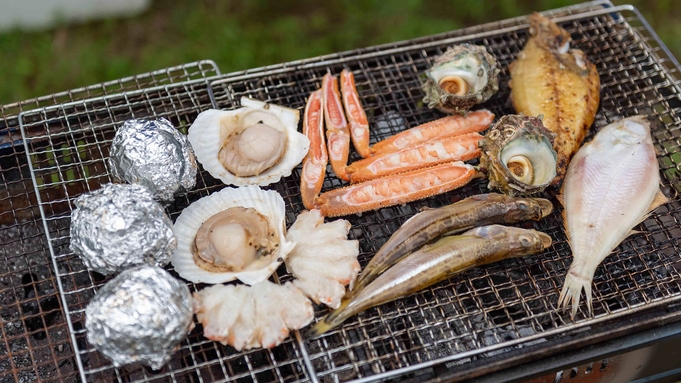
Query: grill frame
221, 92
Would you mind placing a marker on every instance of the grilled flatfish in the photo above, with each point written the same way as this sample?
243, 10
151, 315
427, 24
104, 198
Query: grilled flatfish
550, 79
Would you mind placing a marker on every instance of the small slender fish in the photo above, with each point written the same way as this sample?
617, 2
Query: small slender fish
426, 226
612, 184
435, 262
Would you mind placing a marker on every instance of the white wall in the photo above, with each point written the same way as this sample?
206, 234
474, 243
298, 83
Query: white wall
41, 14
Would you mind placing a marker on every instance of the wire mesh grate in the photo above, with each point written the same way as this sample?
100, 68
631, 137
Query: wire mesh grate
35, 336
497, 311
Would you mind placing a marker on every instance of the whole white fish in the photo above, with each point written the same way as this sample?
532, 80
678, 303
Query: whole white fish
611, 185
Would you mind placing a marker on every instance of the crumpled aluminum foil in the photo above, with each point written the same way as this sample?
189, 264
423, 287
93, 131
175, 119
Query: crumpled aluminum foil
154, 154
120, 226
140, 316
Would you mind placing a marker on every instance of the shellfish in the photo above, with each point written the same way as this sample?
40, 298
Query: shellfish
256, 144
465, 75
324, 261
236, 233
518, 155
247, 317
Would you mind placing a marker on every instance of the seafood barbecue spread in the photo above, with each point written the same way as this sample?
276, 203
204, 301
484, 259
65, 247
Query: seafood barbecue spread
613, 182
435, 262
550, 79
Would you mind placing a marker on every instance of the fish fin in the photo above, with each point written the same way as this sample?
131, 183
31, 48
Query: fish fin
659, 200
319, 328
633, 232
426, 208
571, 293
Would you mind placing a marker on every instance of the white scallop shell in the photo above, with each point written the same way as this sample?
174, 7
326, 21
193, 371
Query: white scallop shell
267, 202
212, 127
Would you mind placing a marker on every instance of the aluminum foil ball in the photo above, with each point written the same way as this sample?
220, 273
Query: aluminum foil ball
121, 226
140, 316
154, 154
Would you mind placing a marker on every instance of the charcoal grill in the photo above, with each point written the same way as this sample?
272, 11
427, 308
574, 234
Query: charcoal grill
485, 320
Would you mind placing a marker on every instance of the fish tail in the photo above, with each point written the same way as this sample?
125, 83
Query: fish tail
572, 291
357, 286
319, 328
330, 321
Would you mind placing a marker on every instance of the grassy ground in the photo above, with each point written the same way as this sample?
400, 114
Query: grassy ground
241, 34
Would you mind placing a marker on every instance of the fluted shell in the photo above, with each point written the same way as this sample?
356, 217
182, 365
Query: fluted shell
213, 129
465, 75
267, 203
518, 155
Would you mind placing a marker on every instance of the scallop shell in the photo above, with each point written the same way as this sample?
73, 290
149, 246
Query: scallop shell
472, 68
211, 129
268, 203
517, 154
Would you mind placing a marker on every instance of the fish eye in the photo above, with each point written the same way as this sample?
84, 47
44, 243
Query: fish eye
522, 205
525, 241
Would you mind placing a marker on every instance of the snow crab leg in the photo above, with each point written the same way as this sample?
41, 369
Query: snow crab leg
357, 118
396, 189
452, 148
337, 132
314, 163
474, 122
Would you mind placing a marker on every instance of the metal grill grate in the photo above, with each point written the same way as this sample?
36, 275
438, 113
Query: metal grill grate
503, 312
35, 336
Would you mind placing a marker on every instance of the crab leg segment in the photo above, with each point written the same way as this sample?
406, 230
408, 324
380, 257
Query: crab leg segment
357, 118
453, 148
314, 163
394, 190
474, 122
337, 132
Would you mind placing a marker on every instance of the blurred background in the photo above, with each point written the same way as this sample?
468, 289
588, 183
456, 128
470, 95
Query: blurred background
54, 45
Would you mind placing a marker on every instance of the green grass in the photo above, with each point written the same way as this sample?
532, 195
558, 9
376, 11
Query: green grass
245, 34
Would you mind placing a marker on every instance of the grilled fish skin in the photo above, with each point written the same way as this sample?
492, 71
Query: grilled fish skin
559, 83
610, 187
426, 226
435, 262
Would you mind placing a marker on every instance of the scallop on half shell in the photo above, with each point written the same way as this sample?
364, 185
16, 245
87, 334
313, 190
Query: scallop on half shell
465, 75
256, 144
236, 233
517, 154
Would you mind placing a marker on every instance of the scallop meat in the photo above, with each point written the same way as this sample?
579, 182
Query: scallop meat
236, 233
256, 144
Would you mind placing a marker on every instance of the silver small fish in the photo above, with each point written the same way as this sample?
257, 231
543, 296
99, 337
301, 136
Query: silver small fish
435, 262
426, 226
